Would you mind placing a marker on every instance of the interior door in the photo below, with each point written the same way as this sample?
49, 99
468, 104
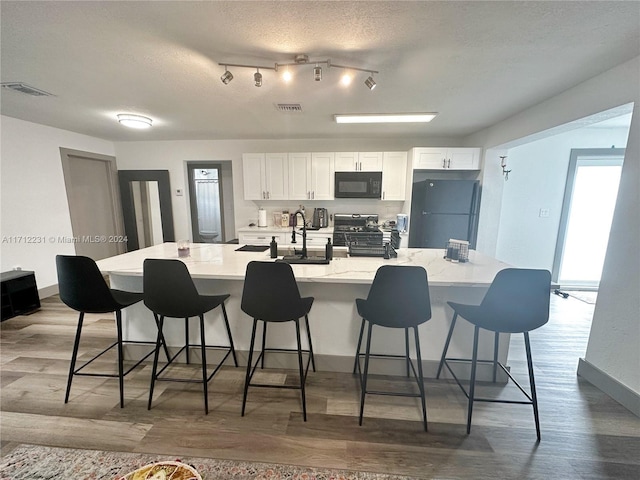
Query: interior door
94, 207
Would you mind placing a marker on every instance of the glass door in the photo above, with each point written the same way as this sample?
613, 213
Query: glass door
590, 199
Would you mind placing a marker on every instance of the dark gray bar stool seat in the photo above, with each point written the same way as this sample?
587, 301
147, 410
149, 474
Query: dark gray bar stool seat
83, 288
169, 292
271, 294
517, 302
398, 298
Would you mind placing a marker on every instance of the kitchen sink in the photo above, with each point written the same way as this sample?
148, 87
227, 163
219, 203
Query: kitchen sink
313, 252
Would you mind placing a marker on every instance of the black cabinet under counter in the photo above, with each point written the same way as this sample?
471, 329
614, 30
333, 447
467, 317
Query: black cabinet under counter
19, 293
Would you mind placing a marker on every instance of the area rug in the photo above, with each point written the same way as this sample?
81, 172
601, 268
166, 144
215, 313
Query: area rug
35, 462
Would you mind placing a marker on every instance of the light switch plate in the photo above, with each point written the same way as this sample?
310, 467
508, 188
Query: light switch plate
179, 192
544, 213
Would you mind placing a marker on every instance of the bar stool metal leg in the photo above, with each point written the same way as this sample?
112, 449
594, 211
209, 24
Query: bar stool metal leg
363, 376
264, 341
155, 361
532, 383
446, 344
472, 384
496, 345
186, 338
313, 361
249, 361
406, 345
355, 363
74, 356
421, 379
226, 323
204, 366
302, 374
120, 357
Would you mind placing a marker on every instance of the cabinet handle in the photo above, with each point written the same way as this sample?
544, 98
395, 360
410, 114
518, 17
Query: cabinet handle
308, 195
383, 194
264, 196
360, 166
313, 195
444, 163
268, 195
449, 163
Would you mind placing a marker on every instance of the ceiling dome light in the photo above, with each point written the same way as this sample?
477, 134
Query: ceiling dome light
346, 79
226, 77
370, 82
257, 77
134, 121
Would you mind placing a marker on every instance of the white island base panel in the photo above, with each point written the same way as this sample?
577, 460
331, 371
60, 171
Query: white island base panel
334, 322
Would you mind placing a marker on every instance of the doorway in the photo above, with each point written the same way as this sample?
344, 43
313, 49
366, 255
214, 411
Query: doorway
92, 192
587, 211
206, 200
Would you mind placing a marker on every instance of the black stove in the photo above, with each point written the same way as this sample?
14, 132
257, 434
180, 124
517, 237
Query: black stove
361, 229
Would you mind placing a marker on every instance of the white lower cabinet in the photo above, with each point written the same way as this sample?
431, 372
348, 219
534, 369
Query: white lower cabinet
261, 238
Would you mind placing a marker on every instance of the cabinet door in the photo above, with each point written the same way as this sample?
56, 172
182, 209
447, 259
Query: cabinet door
394, 175
429, 158
299, 176
370, 161
463, 158
346, 161
277, 176
260, 238
253, 176
322, 176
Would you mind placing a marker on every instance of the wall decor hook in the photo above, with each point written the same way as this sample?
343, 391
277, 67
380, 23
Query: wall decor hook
503, 164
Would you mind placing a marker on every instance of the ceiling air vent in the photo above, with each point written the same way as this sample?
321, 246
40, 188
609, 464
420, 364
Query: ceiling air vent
289, 107
28, 89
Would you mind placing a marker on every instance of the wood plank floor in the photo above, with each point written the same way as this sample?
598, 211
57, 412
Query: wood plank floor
585, 434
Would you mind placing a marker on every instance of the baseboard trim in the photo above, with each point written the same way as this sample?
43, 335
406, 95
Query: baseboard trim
609, 385
49, 291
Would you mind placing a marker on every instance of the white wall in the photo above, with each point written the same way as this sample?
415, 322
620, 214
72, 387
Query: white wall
537, 180
33, 194
173, 155
615, 334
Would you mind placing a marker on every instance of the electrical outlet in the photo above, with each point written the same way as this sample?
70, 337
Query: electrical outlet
544, 213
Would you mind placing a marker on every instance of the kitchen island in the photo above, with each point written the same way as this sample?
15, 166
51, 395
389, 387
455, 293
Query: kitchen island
334, 321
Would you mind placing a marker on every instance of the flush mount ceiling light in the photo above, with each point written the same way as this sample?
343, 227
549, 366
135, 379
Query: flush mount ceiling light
386, 118
300, 61
134, 121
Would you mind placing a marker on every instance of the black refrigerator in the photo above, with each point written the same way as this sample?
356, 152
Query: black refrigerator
443, 209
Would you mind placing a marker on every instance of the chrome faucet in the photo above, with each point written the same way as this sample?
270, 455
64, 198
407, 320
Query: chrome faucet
304, 233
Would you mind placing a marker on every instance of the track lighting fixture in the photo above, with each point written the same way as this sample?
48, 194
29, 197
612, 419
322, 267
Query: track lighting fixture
301, 60
370, 82
226, 76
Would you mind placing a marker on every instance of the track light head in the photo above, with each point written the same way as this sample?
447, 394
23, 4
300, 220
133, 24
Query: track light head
257, 77
317, 73
370, 82
226, 77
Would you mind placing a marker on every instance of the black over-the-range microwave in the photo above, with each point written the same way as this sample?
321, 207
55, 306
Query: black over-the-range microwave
358, 185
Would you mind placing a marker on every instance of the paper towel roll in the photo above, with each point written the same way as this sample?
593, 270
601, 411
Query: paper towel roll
262, 217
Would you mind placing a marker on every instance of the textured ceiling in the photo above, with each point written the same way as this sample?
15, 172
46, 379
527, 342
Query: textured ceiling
475, 63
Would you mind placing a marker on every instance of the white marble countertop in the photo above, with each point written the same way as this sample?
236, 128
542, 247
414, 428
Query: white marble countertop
222, 261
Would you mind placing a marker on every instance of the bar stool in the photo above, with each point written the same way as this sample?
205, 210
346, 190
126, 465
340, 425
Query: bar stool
271, 294
398, 298
517, 302
169, 292
83, 288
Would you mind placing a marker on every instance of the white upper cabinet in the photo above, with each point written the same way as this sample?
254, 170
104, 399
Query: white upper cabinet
358, 161
433, 158
322, 176
394, 175
311, 176
265, 176
299, 176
